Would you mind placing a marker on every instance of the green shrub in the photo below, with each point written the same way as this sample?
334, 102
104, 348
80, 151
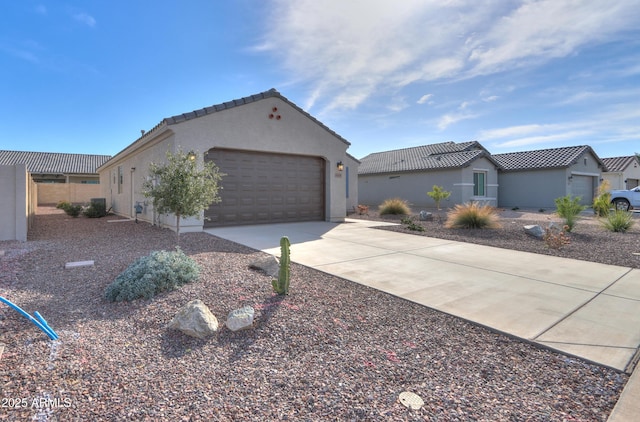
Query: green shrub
155, 273
438, 194
394, 206
73, 210
411, 225
63, 204
618, 221
569, 208
472, 216
602, 201
95, 210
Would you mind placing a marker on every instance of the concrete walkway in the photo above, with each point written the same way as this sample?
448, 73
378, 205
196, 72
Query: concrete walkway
581, 308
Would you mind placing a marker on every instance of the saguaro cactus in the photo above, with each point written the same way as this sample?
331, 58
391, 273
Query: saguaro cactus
281, 285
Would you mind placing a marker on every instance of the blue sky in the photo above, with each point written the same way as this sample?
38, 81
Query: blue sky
87, 76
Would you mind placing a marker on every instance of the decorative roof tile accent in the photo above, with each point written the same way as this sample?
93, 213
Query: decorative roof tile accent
619, 163
425, 157
543, 158
54, 162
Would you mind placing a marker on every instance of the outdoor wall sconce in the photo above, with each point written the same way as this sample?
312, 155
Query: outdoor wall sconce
191, 156
570, 178
340, 166
625, 180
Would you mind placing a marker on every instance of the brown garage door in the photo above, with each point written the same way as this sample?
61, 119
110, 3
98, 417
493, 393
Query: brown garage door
266, 188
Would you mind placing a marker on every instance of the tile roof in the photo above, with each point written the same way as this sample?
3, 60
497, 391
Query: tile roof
272, 93
425, 157
180, 118
619, 163
543, 158
54, 162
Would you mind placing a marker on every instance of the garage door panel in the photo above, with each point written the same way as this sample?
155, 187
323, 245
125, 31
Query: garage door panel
267, 188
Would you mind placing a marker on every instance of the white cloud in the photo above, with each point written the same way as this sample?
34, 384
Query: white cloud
85, 19
545, 139
425, 99
347, 51
451, 118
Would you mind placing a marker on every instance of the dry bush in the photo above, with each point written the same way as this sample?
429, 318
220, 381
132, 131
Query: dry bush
472, 215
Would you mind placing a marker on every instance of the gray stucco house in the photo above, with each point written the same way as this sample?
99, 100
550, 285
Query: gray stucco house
281, 164
622, 172
465, 169
534, 179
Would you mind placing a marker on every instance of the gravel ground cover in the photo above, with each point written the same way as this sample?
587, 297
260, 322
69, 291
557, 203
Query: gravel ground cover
589, 240
331, 350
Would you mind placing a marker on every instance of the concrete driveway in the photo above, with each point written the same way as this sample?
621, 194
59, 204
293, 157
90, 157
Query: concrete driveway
584, 309
581, 308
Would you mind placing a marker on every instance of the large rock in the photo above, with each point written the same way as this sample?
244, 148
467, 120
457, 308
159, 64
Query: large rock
426, 216
195, 320
269, 265
240, 319
535, 231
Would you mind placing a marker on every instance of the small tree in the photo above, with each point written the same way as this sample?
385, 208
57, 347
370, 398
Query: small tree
438, 194
178, 186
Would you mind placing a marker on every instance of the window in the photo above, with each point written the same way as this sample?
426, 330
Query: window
120, 179
479, 183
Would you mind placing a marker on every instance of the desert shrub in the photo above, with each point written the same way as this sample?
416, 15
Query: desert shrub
602, 201
152, 274
472, 215
73, 210
569, 208
69, 208
394, 206
411, 225
556, 238
63, 204
618, 221
95, 210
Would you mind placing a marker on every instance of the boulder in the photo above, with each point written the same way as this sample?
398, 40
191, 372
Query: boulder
240, 319
426, 216
268, 265
195, 320
535, 231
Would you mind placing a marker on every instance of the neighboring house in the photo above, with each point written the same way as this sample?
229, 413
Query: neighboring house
534, 179
281, 164
622, 172
465, 169
55, 167
59, 176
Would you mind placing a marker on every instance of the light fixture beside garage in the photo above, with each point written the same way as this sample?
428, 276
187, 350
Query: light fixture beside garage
340, 166
191, 156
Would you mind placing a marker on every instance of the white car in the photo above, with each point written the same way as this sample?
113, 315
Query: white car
626, 199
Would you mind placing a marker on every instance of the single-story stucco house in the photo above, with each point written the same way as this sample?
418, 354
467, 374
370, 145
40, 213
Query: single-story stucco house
622, 172
534, 179
465, 169
281, 164
57, 167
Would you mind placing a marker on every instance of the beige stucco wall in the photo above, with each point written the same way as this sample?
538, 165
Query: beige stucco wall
18, 206
246, 127
52, 193
413, 186
628, 179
